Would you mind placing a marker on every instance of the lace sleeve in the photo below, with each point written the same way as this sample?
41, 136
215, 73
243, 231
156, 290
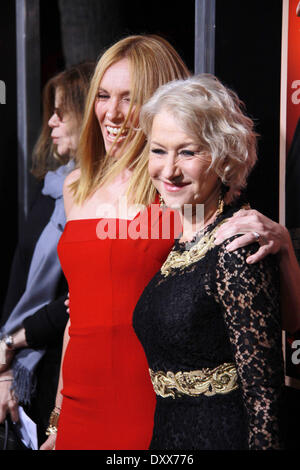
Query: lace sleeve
249, 297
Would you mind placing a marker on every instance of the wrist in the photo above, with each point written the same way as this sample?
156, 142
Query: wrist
53, 422
6, 354
6, 375
9, 342
19, 339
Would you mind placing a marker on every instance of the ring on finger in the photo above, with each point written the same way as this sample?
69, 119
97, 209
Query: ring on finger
257, 236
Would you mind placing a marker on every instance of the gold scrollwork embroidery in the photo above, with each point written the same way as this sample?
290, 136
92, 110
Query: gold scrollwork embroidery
180, 260
221, 380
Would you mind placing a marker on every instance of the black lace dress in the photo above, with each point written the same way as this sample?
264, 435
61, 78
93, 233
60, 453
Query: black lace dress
205, 308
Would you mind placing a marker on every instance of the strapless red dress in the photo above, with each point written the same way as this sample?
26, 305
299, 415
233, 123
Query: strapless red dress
108, 398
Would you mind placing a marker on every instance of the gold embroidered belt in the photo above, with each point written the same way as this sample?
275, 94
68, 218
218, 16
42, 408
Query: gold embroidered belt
222, 379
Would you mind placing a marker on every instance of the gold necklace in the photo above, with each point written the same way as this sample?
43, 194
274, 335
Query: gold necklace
179, 260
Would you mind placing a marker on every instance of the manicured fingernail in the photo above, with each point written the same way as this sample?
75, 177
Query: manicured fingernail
229, 248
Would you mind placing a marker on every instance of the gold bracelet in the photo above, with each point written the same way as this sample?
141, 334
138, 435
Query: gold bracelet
53, 423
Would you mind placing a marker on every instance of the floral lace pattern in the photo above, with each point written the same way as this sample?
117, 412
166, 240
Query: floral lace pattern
218, 309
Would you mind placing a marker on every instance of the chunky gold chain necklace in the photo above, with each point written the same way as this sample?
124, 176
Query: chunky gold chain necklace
179, 260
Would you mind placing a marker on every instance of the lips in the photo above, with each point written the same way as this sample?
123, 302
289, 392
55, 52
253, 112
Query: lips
113, 132
172, 187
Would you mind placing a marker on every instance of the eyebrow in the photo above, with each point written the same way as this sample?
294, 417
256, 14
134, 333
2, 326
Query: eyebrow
127, 92
185, 144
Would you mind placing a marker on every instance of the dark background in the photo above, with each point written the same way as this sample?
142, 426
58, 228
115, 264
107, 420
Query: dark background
248, 57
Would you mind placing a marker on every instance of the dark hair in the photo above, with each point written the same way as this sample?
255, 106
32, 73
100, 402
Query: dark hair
74, 84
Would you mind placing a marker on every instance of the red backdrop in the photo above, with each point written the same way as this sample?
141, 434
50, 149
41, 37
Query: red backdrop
293, 74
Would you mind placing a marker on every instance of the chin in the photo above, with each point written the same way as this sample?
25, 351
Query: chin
63, 152
173, 204
112, 151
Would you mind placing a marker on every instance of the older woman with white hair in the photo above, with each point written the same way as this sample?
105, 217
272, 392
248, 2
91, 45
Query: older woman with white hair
209, 321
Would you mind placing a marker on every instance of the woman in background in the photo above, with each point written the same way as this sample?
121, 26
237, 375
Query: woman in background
34, 316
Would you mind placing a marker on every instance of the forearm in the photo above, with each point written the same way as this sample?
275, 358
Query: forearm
7, 352
19, 339
49, 444
252, 315
289, 288
58, 401
46, 326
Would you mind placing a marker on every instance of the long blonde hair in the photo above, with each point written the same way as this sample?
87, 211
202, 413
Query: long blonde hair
153, 62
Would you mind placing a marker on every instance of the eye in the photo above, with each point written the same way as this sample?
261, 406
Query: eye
59, 113
187, 153
102, 96
157, 151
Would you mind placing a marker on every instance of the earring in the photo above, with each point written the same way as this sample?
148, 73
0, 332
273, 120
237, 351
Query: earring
161, 201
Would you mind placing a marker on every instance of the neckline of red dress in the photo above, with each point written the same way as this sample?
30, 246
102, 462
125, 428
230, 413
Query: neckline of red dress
156, 201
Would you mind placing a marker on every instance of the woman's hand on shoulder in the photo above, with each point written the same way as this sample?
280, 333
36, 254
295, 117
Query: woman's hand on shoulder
254, 227
67, 191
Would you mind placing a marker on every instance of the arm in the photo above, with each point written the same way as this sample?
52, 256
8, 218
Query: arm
274, 238
19, 341
46, 326
49, 444
248, 297
16, 283
8, 402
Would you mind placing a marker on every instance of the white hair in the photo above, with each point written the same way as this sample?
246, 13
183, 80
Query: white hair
212, 114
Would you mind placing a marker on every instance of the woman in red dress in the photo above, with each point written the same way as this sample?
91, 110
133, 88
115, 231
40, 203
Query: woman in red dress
108, 253
106, 397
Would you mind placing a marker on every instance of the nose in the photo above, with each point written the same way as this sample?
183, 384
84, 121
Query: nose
171, 169
53, 121
113, 110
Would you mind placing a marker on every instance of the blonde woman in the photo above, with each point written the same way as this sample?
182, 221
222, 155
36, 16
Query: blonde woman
105, 392
209, 321
108, 401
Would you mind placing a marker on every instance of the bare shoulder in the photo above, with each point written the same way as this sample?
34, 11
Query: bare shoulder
72, 177
67, 191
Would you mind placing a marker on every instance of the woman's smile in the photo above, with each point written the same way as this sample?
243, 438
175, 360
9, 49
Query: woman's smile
174, 187
180, 173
